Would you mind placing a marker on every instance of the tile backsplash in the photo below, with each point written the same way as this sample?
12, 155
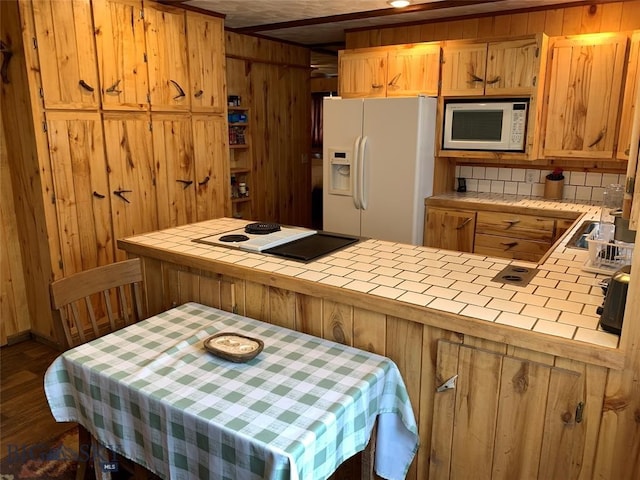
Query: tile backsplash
578, 186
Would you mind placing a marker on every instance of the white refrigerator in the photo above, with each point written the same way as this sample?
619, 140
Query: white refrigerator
378, 160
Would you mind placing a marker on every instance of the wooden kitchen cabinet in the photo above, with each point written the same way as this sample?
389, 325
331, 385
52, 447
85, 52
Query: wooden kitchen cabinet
166, 41
205, 38
517, 236
510, 67
503, 415
449, 229
629, 98
211, 156
82, 199
405, 70
120, 44
363, 73
413, 70
64, 39
174, 169
584, 85
132, 176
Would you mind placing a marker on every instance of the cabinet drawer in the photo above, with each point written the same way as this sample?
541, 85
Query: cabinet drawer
515, 226
509, 247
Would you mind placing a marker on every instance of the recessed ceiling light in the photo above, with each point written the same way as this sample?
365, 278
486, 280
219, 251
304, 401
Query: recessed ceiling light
399, 3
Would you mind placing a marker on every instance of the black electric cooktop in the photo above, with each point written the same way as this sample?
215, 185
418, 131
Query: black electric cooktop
314, 246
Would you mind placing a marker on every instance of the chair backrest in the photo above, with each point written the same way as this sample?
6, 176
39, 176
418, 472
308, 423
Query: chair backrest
100, 289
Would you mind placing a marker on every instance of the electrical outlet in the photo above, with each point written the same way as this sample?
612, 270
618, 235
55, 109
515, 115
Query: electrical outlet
530, 176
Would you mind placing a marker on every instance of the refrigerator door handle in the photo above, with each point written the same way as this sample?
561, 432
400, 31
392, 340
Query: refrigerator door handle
355, 190
361, 174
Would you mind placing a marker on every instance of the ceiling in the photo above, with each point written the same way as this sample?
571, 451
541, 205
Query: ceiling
321, 24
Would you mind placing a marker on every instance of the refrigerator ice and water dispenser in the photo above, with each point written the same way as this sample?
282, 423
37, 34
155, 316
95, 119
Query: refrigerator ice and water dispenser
340, 171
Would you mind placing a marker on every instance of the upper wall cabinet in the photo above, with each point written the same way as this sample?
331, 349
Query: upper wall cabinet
629, 105
67, 55
397, 71
119, 33
166, 39
496, 68
585, 75
413, 70
363, 73
205, 37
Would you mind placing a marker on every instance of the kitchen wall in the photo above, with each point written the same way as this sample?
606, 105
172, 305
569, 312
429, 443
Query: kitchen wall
578, 186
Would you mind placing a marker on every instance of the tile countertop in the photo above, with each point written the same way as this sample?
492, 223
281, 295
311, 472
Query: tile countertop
561, 300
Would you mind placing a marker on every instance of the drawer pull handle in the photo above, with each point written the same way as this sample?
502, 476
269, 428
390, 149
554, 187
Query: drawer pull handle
394, 80
376, 85
509, 245
461, 226
511, 222
86, 86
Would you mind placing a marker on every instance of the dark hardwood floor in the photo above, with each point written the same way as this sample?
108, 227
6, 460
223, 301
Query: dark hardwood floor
25, 418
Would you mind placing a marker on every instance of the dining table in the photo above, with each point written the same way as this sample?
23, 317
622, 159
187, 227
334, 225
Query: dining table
154, 394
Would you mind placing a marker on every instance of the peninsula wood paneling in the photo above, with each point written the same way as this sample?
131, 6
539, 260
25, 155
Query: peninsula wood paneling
272, 80
599, 17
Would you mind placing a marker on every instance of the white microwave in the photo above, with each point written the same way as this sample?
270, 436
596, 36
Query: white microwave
483, 124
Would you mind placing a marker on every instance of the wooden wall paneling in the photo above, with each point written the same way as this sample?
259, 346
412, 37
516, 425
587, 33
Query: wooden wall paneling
120, 45
175, 180
523, 395
337, 322
82, 198
210, 290
553, 22
14, 309
444, 412
535, 22
404, 347
563, 442
211, 158
189, 284
629, 99
629, 19
257, 298
519, 23
571, 20
166, 40
309, 314
64, 32
154, 294
611, 16
232, 295
369, 331
282, 307
591, 20
502, 26
171, 285
205, 36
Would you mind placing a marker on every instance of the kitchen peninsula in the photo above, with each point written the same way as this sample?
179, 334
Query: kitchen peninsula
530, 363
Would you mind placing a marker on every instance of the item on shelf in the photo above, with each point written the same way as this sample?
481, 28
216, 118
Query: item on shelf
233, 100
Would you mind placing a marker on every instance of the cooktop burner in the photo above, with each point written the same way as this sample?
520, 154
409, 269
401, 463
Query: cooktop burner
234, 238
262, 228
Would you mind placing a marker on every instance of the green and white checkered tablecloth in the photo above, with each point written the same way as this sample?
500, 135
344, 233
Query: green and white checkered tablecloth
296, 411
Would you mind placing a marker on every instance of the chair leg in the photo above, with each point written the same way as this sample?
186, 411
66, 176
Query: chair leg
84, 439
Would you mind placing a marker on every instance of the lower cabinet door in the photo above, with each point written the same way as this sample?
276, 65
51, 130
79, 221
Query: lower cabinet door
450, 229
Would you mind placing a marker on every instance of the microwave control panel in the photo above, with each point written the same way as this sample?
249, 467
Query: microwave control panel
518, 124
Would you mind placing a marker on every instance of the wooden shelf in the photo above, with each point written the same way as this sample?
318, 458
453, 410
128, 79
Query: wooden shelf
238, 124
240, 170
239, 145
240, 200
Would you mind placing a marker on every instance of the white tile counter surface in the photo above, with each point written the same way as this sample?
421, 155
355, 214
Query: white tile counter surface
561, 300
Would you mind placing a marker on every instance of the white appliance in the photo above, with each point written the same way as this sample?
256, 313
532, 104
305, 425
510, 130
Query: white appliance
378, 166
483, 124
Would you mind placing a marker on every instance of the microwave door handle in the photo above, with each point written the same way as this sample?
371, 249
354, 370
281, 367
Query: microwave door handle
361, 173
355, 192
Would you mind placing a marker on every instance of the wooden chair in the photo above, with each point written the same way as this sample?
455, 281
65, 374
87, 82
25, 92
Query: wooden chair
109, 298
103, 290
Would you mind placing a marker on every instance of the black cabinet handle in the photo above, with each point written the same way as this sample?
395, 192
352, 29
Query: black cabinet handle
98, 195
179, 88
393, 81
114, 88
495, 80
205, 181
598, 138
376, 85
475, 78
509, 245
198, 94
120, 194
86, 86
186, 183
7, 53
461, 226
